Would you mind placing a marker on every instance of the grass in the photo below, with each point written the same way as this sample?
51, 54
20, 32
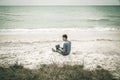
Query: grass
53, 72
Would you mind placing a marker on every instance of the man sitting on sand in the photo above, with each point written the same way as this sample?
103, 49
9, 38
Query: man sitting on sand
65, 50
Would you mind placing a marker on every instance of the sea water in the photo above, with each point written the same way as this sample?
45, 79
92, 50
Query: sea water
82, 17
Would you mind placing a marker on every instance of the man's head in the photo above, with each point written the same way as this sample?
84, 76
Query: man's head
64, 37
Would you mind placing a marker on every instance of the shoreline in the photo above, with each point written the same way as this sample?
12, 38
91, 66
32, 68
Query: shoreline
55, 35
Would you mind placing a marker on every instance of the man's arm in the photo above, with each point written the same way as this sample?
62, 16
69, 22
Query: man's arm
62, 49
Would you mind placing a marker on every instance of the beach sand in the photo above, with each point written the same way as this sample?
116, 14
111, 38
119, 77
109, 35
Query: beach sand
89, 48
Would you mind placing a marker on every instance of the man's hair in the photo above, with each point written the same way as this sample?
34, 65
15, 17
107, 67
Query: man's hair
65, 36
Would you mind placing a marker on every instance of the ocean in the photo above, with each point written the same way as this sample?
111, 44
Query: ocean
81, 17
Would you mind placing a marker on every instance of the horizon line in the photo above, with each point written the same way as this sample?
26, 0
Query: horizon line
62, 5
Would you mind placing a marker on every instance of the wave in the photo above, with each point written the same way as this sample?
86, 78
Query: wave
114, 16
58, 29
51, 41
98, 19
13, 14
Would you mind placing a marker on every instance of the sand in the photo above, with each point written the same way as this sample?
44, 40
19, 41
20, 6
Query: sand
89, 48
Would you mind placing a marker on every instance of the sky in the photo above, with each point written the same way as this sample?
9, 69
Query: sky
59, 2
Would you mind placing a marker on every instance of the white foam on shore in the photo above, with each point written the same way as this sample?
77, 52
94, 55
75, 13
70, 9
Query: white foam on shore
55, 34
23, 31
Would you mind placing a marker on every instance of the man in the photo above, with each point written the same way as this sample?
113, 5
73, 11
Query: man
65, 50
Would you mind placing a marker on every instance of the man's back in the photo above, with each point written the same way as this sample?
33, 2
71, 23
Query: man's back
67, 46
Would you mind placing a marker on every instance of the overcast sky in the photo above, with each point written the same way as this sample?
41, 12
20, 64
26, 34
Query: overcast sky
59, 2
